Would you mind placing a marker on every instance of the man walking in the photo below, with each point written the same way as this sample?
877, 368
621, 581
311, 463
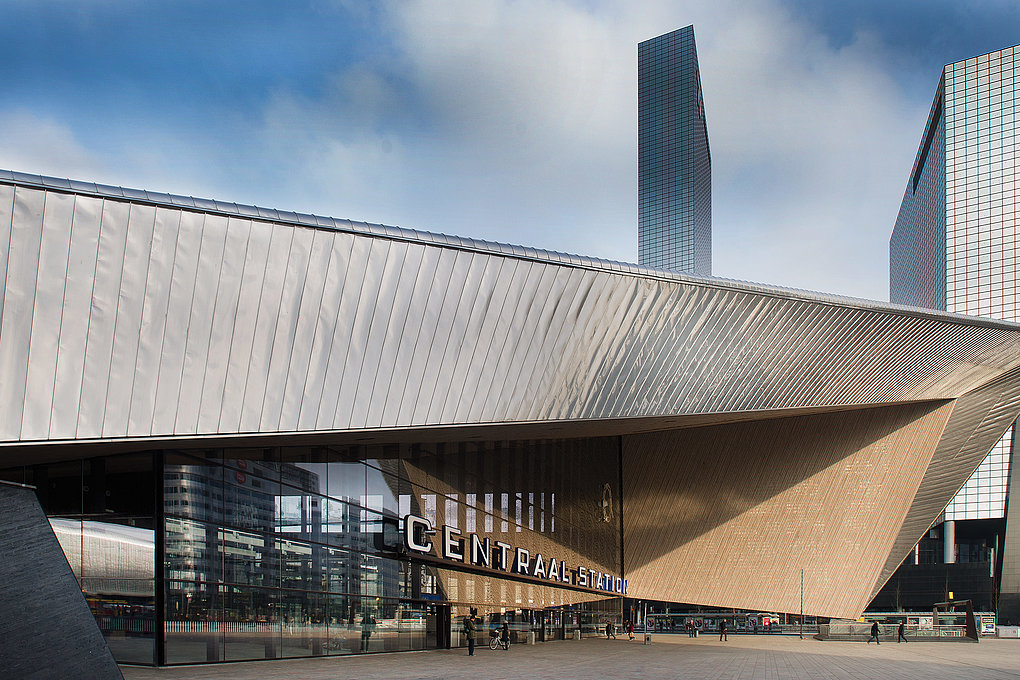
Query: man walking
900, 637
874, 633
722, 631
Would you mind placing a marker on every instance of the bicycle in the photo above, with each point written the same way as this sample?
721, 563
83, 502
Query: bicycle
495, 641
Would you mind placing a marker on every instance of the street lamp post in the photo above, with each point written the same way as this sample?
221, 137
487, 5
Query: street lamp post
802, 603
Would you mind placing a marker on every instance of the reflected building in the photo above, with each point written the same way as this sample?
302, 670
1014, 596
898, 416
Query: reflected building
276, 435
674, 162
954, 247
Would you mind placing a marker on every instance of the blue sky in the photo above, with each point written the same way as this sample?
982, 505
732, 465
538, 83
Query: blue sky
509, 120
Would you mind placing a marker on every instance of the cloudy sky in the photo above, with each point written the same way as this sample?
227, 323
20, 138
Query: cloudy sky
508, 120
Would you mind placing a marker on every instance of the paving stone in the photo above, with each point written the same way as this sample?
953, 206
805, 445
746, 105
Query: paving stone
669, 656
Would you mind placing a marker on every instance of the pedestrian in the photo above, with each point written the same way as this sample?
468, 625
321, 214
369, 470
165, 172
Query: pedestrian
874, 633
899, 633
469, 630
630, 629
722, 631
367, 628
611, 630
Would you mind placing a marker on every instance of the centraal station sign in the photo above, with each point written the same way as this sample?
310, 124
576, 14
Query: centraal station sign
484, 552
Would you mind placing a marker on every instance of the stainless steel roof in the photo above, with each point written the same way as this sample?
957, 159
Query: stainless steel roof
391, 232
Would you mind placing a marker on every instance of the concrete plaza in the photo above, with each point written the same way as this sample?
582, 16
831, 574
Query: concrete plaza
669, 656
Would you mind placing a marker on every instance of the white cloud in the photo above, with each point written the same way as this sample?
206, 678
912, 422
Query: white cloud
516, 121
42, 145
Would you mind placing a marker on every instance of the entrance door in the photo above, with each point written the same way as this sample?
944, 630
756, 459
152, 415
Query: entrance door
437, 626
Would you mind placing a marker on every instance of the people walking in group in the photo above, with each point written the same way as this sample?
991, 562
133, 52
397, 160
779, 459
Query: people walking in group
469, 630
722, 631
630, 629
900, 637
874, 633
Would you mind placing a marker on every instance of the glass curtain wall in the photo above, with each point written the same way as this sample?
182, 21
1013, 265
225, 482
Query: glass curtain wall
298, 551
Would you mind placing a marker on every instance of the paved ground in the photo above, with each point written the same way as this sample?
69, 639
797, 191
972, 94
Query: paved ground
669, 656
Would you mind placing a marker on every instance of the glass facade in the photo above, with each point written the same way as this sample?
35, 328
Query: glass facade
955, 244
283, 552
674, 162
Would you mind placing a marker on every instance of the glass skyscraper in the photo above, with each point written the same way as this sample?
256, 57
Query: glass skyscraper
674, 163
955, 247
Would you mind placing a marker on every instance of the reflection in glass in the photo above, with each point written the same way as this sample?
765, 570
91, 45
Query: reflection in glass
115, 566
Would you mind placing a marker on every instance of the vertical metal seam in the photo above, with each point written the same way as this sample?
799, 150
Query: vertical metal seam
138, 340
60, 321
158, 356
233, 327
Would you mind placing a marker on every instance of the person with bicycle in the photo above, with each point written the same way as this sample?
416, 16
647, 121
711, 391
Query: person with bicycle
500, 638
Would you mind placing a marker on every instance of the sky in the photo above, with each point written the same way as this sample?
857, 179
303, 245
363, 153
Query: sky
506, 120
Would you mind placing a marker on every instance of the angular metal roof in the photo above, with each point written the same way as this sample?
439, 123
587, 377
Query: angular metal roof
136, 316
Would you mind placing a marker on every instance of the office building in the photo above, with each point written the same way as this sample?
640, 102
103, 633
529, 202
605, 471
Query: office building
674, 162
955, 247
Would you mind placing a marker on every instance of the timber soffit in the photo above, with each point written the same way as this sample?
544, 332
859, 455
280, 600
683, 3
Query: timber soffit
210, 206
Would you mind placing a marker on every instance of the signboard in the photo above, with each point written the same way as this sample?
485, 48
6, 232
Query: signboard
986, 624
472, 549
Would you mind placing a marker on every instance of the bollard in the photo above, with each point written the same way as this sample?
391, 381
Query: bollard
648, 638
531, 638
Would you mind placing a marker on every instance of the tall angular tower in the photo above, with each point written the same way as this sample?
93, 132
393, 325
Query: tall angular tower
674, 163
955, 247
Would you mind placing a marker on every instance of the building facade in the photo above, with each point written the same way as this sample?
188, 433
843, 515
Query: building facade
674, 162
955, 247
262, 434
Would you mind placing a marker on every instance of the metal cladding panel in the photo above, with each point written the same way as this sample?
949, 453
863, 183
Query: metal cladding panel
102, 323
175, 322
297, 377
242, 336
224, 321
127, 331
267, 311
49, 297
74, 319
26, 232
183, 274
6, 226
198, 350
153, 319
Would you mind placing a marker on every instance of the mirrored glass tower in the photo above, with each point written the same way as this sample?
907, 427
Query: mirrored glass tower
955, 247
674, 163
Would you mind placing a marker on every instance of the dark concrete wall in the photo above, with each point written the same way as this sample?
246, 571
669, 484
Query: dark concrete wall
46, 630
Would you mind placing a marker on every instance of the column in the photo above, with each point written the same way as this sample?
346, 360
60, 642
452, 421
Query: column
949, 541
